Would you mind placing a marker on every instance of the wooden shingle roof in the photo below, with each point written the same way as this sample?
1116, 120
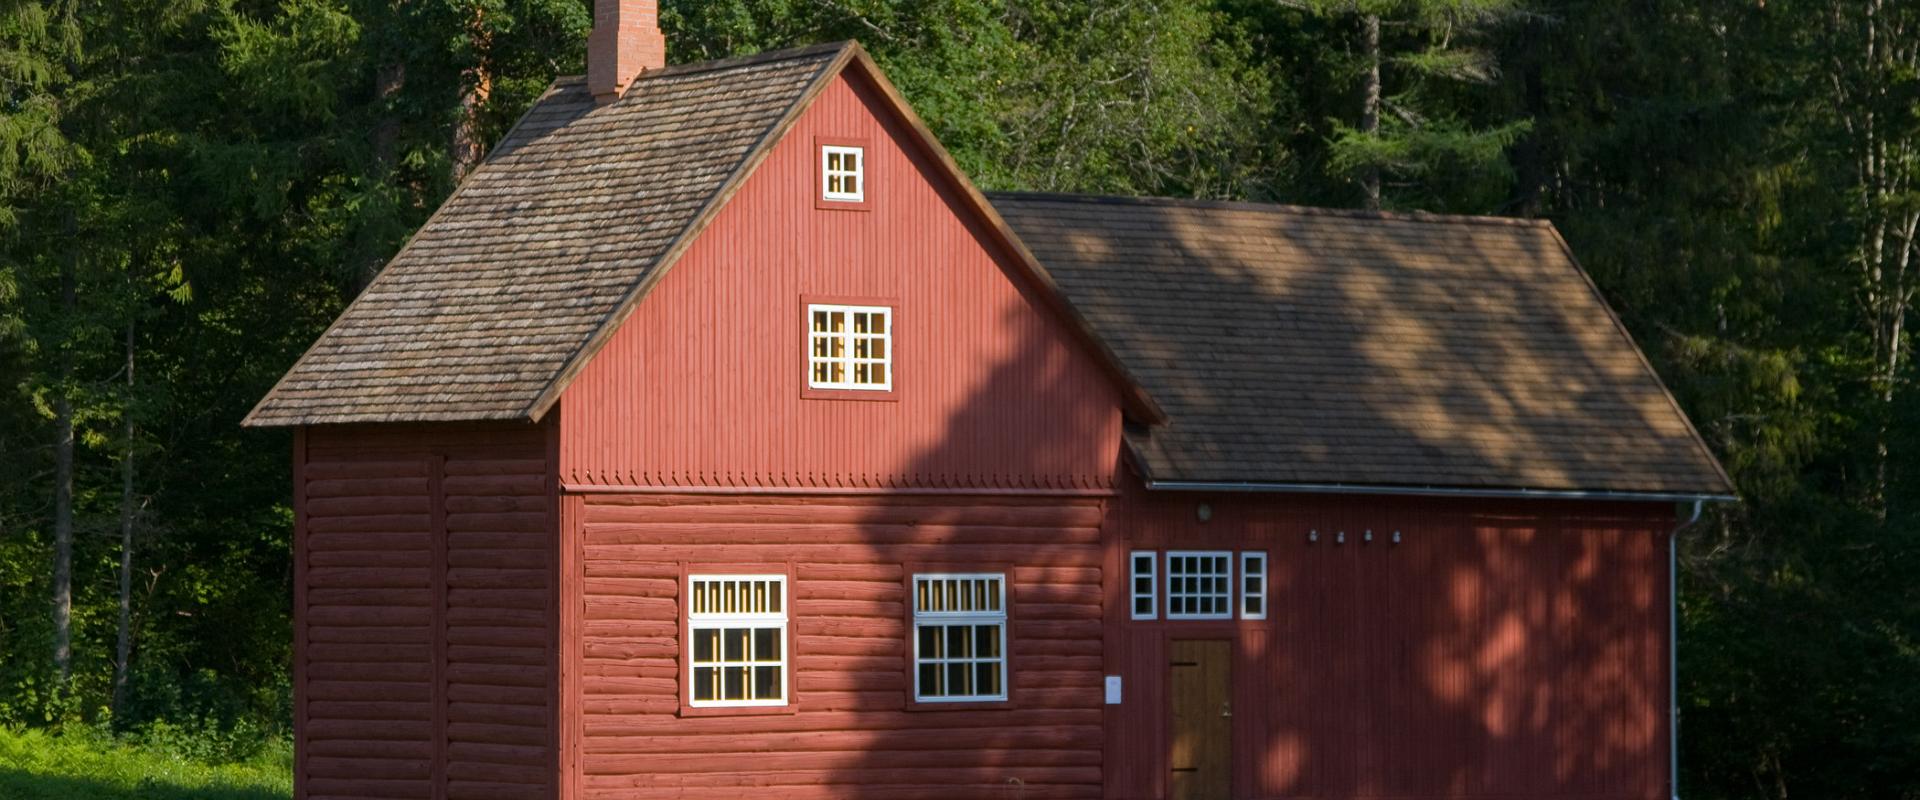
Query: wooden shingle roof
1307, 346
495, 301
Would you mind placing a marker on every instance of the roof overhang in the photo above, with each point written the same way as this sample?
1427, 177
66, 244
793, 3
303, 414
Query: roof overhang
1439, 491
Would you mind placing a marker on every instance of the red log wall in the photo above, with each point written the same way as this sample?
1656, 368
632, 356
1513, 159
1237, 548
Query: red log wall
702, 385
850, 731
1503, 649
423, 616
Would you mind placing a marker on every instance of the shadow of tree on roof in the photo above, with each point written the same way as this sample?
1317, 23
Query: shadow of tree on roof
1523, 649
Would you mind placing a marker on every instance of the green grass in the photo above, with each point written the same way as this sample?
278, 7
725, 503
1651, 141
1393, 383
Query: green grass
35, 765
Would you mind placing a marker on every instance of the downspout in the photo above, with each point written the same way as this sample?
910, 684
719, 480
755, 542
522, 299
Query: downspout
1673, 651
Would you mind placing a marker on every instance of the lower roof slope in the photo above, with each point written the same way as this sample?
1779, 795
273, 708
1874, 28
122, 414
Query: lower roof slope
1293, 345
490, 303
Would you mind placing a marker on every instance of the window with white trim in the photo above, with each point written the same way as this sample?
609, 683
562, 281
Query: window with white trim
1253, 585
737, 632
850, 347
843, 173
1199, 584
959, 637
1145, 588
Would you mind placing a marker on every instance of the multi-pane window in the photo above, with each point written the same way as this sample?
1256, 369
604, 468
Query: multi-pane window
1199, 585
850, 347
1253, 585
1144, 589
959, 637
842, 176
737, 627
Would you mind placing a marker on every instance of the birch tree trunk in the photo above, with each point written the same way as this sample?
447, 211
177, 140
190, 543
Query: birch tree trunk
123, 640
1875, 47
1370, 105
63, 481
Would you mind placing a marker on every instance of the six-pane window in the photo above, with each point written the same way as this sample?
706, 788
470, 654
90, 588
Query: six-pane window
842, 174
850, 347
959, 637
738, 628
1199, 585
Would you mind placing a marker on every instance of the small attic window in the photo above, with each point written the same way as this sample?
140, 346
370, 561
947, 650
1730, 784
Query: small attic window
850, 347
843, 177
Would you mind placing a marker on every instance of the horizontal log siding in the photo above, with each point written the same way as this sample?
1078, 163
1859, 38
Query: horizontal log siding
854, 732
1504, 649
426, 619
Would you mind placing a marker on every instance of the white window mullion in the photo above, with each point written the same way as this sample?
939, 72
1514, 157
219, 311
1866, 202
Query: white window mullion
1253, 585
1199, 584
959, 637
1144, 583
737, 631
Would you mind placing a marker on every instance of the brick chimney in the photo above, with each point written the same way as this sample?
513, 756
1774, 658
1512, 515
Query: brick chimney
626, 41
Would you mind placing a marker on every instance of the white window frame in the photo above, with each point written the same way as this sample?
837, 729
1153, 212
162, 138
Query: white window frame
709, 621
1226, 596
858, 173
1253, 583
1151, 576
847, 340
949, 618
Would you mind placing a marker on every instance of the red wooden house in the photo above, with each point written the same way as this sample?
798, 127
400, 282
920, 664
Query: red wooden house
719, 435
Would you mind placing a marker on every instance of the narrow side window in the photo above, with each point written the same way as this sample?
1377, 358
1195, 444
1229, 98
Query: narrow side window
1253, 585
737, 640
959, 637
1145, 585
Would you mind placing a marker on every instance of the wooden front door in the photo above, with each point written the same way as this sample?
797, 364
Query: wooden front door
1201, 744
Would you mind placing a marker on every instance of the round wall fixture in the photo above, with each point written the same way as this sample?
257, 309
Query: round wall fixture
1204, 511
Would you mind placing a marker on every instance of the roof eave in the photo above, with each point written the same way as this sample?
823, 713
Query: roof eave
1402, 490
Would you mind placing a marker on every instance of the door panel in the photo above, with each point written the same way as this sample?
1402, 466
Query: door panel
1201, 745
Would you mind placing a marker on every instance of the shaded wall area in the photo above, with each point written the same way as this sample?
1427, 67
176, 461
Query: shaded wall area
424, 612
850, 729
1501, 649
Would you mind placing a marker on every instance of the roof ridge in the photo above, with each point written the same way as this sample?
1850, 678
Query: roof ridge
730, 62
1281, 208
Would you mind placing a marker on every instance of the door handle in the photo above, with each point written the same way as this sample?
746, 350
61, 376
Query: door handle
1226, 710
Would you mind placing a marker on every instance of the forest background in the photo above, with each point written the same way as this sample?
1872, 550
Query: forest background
190, 190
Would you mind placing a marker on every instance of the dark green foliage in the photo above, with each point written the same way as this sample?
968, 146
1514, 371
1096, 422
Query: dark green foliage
221, 176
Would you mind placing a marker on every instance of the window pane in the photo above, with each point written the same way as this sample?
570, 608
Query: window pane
931, 642
705, 644
879, 373
986, 641
704, 683
880, 323
959, 680
930, 685
736, 643
987, 678
853, 184
766, 644
766, 683
958, 644
735, 683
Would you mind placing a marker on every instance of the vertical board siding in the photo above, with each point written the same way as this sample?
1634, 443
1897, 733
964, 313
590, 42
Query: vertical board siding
853, 731
703, 385
1502, 649
425, 613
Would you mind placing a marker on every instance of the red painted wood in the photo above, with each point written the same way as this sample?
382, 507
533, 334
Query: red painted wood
422, 596
702, 385
853, 730
301, 670
1503, 649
